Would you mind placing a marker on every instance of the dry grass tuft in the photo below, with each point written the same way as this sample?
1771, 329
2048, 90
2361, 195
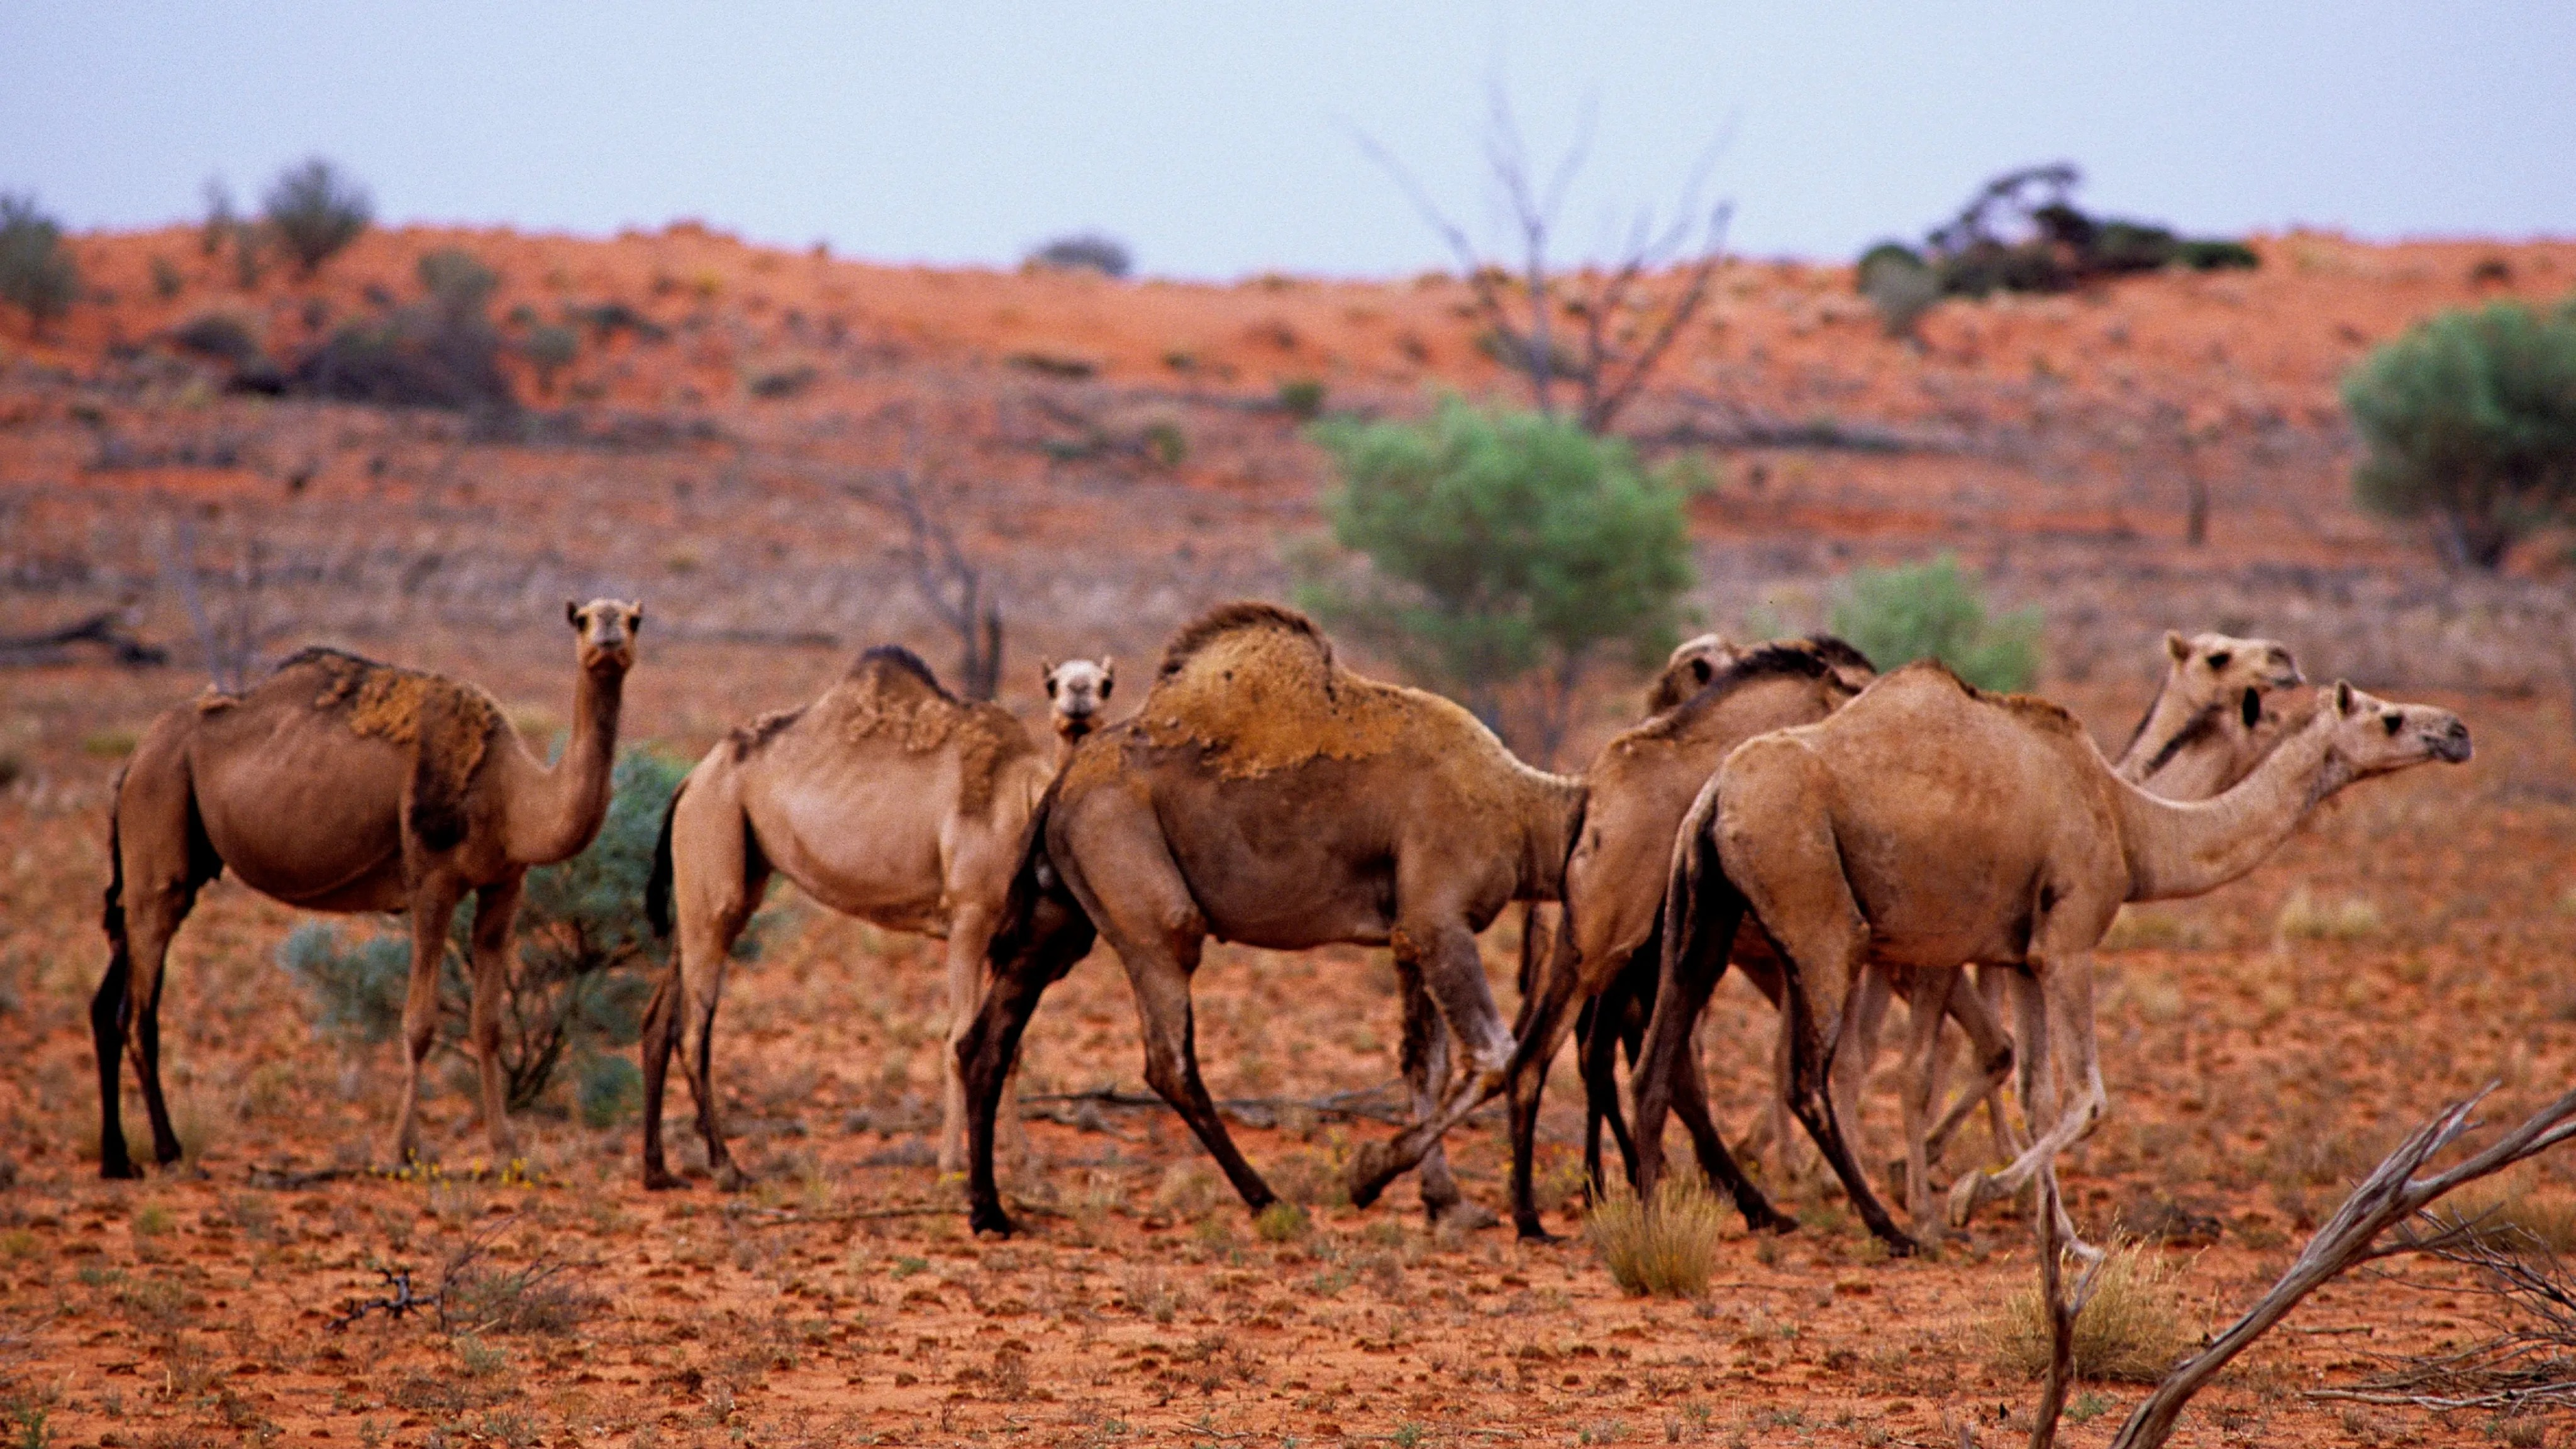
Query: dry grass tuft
2306, 917
2130, 1331
1668, 1246
2513, 1213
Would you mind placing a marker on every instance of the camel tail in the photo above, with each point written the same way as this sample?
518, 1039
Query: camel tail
1696, 869
112, 917
657, 886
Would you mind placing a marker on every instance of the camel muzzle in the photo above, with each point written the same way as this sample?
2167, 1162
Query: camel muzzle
2453, 744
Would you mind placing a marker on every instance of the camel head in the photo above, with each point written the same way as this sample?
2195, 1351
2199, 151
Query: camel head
2218, 669
607, 630
1693, 664
2374, 737
1079, 689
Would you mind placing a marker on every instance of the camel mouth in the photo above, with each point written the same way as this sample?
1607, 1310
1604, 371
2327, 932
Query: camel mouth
2452, 745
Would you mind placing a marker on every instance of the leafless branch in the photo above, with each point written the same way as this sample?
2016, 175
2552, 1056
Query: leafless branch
2062, 1309
227, 621
2390, 1195
950, 583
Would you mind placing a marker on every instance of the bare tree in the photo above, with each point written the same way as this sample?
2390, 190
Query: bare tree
952, 584
1622, 320
223, 600
2390, 1195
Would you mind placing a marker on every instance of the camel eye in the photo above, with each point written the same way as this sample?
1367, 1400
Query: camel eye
1106, 685
2393, 722
2218, 660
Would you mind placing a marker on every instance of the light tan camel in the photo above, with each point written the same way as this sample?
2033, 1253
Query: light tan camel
1265, 794
1692, 664
1077, 691
1926, 824
340, 784
2215, 716
888, 799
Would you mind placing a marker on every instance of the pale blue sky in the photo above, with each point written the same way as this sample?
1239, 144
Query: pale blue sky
1217, 139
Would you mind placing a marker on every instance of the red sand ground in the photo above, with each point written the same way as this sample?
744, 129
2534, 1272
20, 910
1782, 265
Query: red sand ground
2254, 1064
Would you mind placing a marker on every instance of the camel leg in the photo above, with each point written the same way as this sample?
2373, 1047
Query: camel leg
2065, 991
107, 1042
970, 934
1426, 1059
433, 906
1682, 989
1541, 1034
1454, 976
1856, 1039
704, 991
1930, 1006
1596, 1038
1056, 935
496, 909
1993, 1049
660, 1039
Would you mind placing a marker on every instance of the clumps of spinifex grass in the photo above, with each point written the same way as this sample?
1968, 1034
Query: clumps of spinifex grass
1667, 1246
2130, 1330
2513, 1213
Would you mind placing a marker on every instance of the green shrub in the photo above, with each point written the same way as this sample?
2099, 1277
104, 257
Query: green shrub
551, 347
442, 352
315, 211
1932, 611
37, 275
573, 992
2469, 420
1900, 285
167, 280
1302, 398
1504, 544
1085, 252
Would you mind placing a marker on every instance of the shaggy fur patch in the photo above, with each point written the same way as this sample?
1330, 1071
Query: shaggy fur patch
448, 727
891, 697
1255, 687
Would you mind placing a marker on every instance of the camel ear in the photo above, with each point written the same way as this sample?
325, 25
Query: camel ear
2343, 696
1046, 676
2177, 646
572, 613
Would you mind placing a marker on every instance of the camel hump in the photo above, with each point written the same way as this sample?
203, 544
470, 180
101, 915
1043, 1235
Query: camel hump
446, 724
2046, 716
1241, 616
1255, 688
890, 697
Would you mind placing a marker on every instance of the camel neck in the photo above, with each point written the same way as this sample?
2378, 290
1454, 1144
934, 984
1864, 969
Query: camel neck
564, 807
2178, 849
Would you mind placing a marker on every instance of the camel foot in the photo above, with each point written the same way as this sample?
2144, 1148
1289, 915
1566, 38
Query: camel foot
1770, 1220
988, 1217
730, 1178
1531, 1230
1463, 1215
118, 1168
1372, 1167
661, 1179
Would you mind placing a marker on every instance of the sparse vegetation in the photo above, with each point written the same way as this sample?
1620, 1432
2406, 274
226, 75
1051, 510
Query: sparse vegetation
1504, 547
1934, 611
2469, 421
574, 994
37, 274
2306, 916
2130, 1331
442, 352
315, 211
2022, 232
1302, 398
550, 347
1900, 285
1089, 251
1667, 1247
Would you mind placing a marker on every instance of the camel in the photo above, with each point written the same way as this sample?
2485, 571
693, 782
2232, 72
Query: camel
1263, 793
1927, 824
339, 784
1077, 690
2214, 717
888, 799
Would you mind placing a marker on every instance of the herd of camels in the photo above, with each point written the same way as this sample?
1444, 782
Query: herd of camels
1842, 837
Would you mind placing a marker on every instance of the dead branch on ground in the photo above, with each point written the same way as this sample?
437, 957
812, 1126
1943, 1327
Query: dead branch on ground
107, 628
2390, 1195
2530, 1362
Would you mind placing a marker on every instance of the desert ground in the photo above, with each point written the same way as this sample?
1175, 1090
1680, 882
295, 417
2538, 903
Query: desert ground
727, 465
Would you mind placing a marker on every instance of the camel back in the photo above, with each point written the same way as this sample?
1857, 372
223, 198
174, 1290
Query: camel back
446, 724
1820, 657
890, 697
2042, 716
1256, 689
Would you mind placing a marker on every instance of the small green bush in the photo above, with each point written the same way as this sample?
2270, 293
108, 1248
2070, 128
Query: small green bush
573, 993
1933, 611
442, 352
37, 275
1900, 285
1085, 252
315, 211
1302, 398
551, 347
2469, 419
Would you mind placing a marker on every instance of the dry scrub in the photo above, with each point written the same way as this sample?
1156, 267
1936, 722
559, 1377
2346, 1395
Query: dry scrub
2130, 1331
1668, 1247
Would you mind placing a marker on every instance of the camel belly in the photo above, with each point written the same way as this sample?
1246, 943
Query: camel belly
300, 821
859, 863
